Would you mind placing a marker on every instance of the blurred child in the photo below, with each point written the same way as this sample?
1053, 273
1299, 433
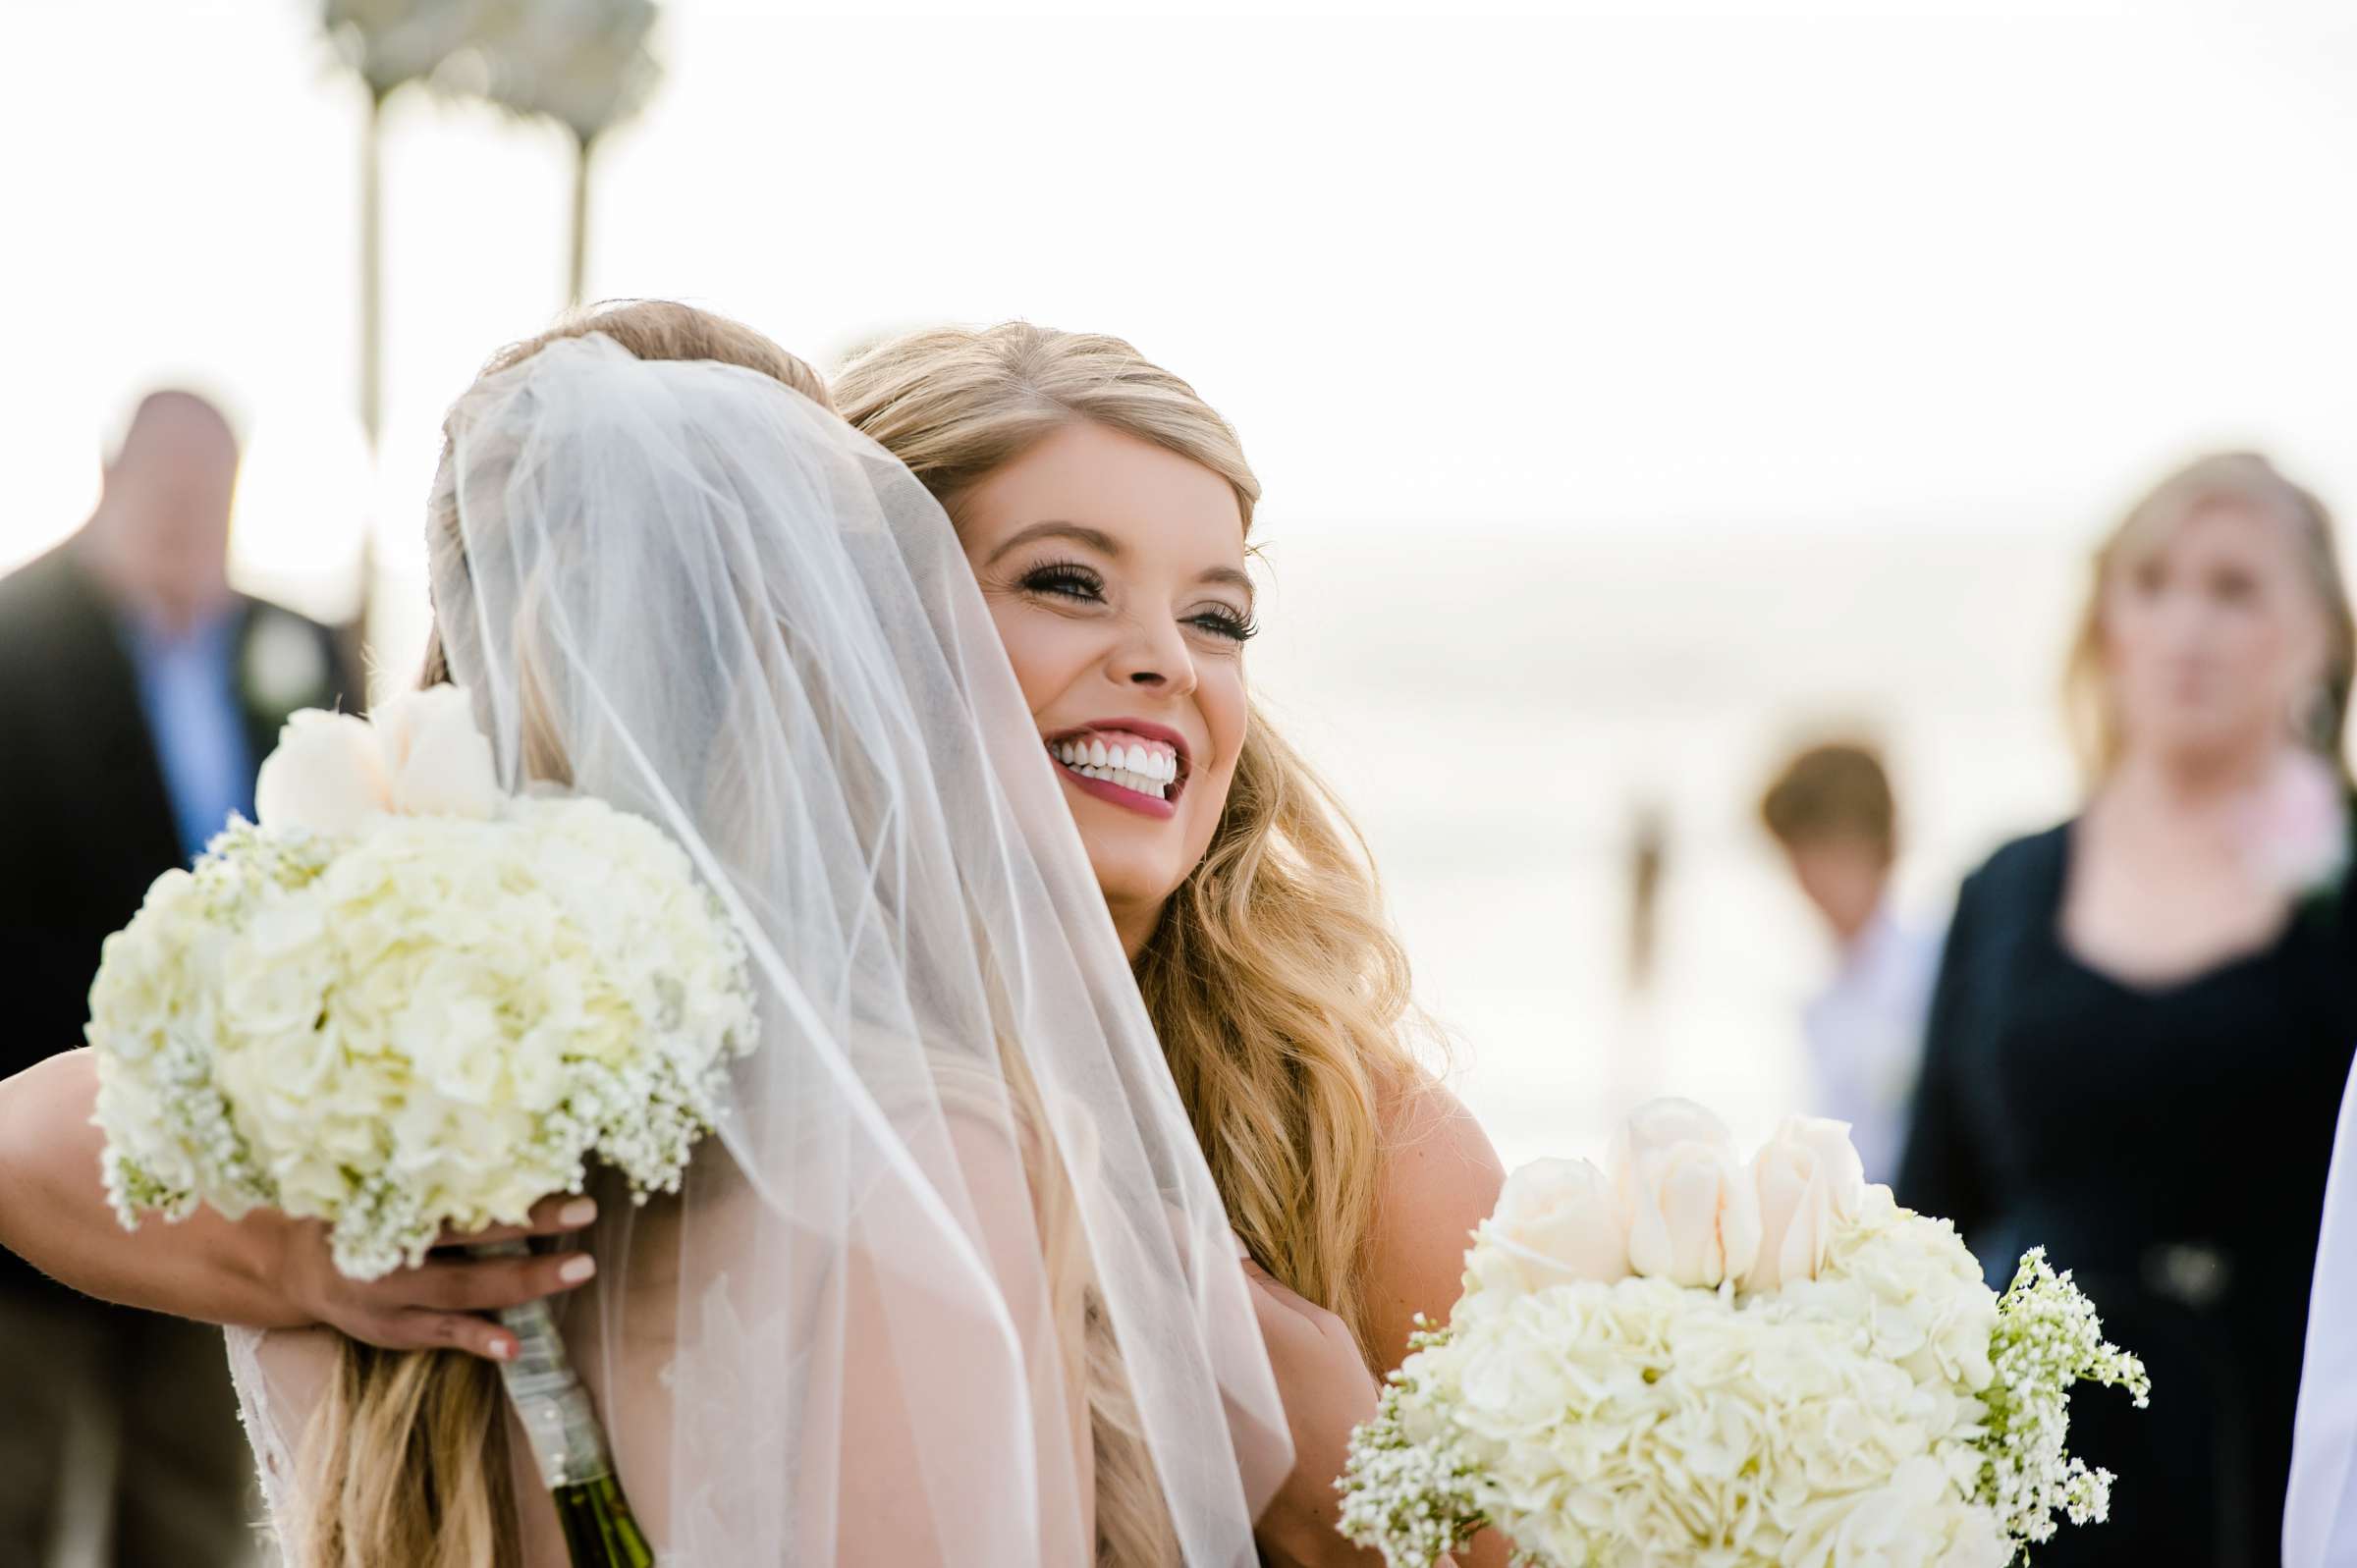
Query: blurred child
1830, 810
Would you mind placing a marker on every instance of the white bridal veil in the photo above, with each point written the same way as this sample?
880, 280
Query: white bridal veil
956, 1252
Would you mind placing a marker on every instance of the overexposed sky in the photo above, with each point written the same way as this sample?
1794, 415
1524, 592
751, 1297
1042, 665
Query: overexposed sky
1863, 265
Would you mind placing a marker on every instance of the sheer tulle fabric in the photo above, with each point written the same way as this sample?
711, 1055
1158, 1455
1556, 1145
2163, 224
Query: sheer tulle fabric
857, 1335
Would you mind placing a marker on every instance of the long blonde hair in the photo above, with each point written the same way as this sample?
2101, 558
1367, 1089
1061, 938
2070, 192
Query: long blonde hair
1278, 988
2222, 479
406, 1461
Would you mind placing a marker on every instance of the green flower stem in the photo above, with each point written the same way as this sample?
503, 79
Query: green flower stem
570, 1446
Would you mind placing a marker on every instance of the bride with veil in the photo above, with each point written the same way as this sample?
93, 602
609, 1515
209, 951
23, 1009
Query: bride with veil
952, 1283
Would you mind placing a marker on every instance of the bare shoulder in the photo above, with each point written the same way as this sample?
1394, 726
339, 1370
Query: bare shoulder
1440, 1178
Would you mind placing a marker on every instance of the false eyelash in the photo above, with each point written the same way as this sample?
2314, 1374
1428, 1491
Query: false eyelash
1240, 629
1044, 577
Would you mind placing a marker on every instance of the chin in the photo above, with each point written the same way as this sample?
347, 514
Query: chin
1127, 884
2195, 727
1130, 875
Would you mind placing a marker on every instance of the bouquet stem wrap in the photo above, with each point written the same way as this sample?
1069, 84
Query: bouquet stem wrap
568, 1444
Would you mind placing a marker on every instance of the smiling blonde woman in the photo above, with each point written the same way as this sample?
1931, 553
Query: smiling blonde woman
1105, 510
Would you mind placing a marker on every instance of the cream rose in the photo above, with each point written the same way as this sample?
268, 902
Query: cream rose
326, 775
421, 755
1809, 1180
436, 762
1693, 1216
1556, 1223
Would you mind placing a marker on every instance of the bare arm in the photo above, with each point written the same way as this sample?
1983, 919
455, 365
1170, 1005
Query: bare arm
53, 1212
1440, 1179
262, 1271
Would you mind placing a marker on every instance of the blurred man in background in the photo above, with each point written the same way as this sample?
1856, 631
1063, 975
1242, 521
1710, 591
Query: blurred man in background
138, 696
1832, 811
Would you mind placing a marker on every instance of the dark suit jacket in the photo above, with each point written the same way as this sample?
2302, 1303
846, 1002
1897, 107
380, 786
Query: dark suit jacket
85, 823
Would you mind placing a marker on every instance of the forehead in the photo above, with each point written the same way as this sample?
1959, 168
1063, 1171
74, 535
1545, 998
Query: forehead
2231, 527
1149, 499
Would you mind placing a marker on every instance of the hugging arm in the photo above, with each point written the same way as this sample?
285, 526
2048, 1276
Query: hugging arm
262, 1271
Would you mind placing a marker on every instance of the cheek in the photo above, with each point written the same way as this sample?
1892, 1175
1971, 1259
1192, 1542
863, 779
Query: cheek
1044, 651
1224, 701
2139, 639
1221, 698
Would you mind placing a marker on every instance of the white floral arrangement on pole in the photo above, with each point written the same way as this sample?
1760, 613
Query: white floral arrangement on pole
1695, 1360
406, 1001
583, 63
392, 42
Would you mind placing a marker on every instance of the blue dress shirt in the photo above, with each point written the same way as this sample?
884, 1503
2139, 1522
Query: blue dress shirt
189, 691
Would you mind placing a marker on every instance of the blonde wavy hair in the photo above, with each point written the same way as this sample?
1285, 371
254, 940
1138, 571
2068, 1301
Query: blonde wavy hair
1275, 981
2239, 479
406, 1461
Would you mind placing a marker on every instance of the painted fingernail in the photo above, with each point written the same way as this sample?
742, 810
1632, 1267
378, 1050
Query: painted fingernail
576, 1268
503, 1350
578, 1212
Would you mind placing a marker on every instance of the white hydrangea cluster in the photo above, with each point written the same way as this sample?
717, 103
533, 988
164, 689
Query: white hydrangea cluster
436, 1020
1792, 1371
1912, 1288
1651, 1422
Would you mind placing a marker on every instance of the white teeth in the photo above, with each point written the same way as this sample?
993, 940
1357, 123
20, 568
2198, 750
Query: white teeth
1149, 771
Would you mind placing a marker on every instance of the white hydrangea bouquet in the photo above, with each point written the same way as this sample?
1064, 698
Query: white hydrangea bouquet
405, 1000
1692, 1361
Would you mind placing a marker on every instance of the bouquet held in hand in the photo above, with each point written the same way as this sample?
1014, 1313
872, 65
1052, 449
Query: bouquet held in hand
406, 1001
1695, 1361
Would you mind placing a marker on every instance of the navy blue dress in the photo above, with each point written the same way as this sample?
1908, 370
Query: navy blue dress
2169, 1146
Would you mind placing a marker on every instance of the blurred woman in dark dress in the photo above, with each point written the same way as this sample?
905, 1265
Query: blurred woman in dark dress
2145, 1016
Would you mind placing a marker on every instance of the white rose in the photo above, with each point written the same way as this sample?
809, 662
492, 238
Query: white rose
327, 776
1556, 1223
436, 762
1693, 1216
1810, 1180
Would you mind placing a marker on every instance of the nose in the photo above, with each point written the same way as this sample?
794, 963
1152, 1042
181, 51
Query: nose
1153, 656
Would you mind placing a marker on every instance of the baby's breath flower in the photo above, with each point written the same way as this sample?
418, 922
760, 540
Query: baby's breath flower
2047, 1338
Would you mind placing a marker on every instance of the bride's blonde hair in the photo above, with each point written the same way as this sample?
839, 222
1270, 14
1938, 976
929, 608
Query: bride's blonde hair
408, 1459
1278, 988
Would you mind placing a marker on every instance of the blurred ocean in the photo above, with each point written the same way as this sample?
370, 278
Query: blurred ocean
1501, 712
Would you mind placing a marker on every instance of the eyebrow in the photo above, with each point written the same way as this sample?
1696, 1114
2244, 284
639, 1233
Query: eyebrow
1096, 539
1231, 578
1105, 544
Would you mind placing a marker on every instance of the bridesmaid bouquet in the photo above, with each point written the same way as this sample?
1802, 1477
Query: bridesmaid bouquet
406, 1001
1696, 1361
